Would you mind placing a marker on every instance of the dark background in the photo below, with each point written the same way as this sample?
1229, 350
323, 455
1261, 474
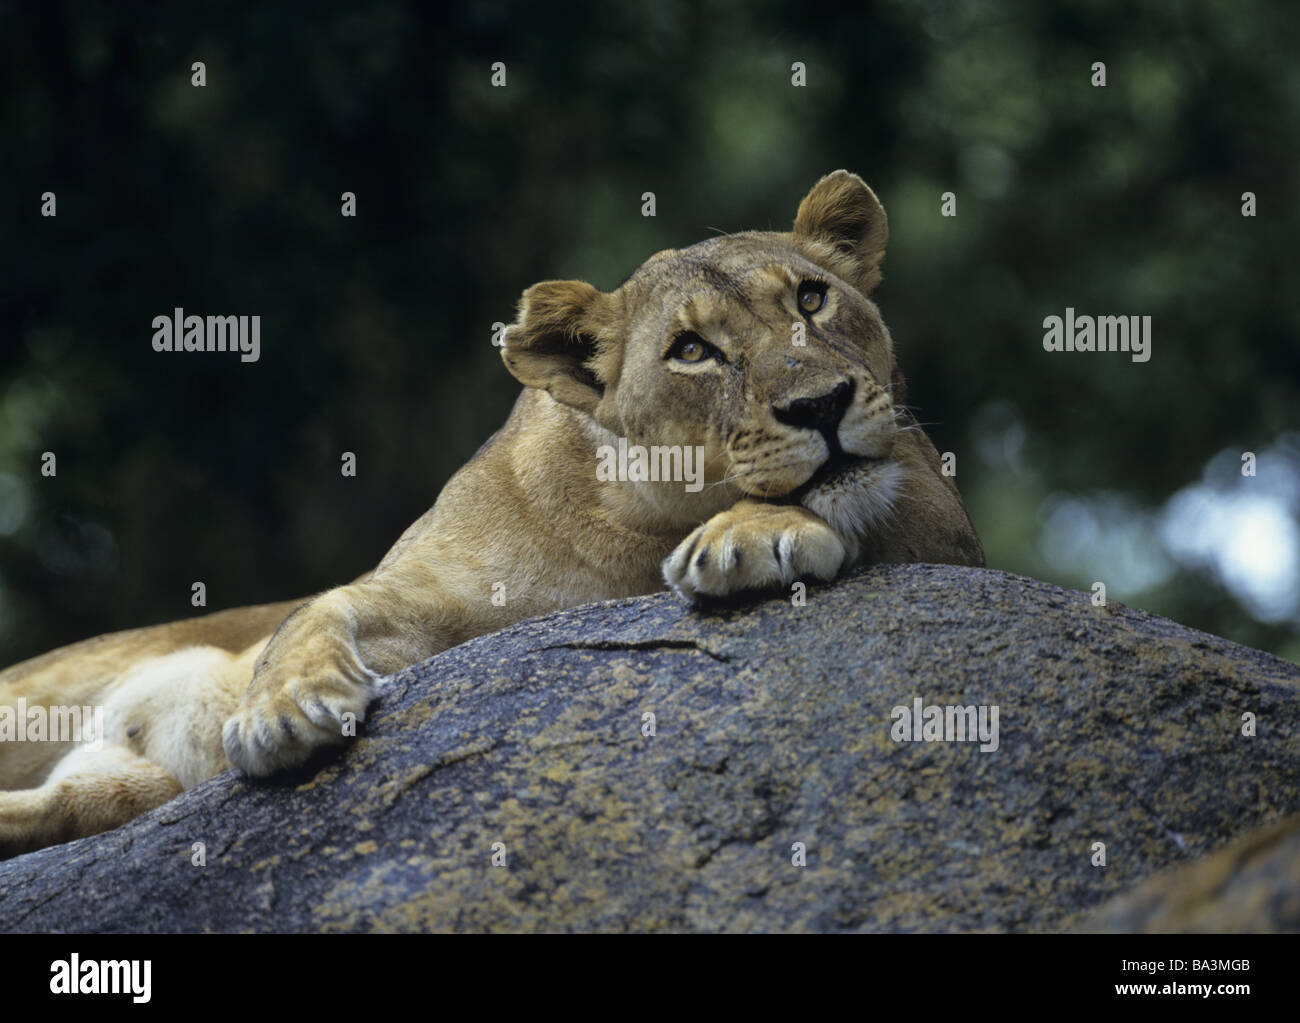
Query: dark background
376, 329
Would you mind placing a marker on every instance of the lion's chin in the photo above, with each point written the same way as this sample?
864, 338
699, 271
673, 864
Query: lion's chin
854, 495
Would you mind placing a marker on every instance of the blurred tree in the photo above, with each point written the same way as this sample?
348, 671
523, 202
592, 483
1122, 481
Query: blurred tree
376, 328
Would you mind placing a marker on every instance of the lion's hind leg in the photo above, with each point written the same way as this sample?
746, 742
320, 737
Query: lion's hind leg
91, 790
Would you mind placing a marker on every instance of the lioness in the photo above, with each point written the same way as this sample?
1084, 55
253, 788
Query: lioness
760, 351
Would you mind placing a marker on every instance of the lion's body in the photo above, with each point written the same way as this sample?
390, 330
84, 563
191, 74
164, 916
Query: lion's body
807, 467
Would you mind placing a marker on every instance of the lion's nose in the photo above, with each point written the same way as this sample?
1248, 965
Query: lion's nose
822, 413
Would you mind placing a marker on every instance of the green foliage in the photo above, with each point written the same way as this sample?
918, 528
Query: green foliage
376, 329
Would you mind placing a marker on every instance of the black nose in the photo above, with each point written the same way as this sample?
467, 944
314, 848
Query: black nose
822, 413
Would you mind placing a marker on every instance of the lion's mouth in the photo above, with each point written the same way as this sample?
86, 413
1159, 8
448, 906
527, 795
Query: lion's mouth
835, 470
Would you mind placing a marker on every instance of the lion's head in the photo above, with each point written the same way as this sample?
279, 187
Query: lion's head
763, 348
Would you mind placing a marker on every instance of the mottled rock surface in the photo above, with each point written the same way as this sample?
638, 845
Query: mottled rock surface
772, 727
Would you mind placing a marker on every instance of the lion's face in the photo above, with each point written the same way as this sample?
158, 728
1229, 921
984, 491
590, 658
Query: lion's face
749, 349
762, 349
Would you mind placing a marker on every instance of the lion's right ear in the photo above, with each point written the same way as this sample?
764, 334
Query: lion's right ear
842, 217
554, 344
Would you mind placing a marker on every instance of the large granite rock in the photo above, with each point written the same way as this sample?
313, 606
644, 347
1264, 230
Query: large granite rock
772, 733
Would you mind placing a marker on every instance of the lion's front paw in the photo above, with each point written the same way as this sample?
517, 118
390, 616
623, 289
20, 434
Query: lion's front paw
753, 546
287, 715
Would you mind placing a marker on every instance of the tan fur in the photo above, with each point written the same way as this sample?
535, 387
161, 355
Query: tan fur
809, 467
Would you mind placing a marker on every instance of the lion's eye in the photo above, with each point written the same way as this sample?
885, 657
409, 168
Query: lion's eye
812, 296
690, 347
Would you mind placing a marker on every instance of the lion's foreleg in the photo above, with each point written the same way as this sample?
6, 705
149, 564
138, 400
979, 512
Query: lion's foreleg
319, 673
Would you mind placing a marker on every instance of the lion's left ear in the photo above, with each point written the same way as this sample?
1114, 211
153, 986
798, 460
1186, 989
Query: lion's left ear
843, 213
554, 344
